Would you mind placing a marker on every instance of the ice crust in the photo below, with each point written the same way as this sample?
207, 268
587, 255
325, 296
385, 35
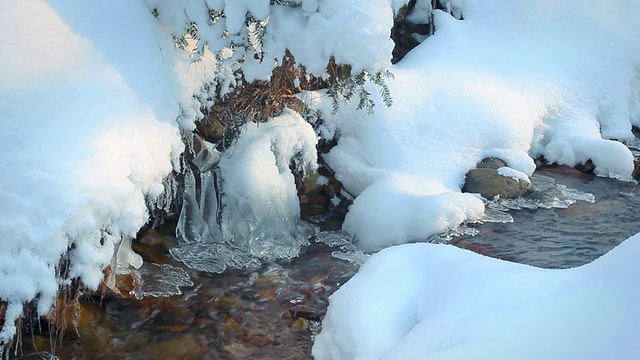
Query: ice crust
160, 280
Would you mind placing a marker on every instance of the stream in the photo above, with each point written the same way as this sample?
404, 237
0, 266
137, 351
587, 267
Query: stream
273, 312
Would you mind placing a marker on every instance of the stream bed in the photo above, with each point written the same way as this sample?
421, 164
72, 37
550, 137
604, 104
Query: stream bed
273, 312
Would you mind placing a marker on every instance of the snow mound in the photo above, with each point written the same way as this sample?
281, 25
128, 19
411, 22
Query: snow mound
428, 301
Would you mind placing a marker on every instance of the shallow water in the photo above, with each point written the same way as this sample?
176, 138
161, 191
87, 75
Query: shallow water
272, 312
266, 313
563, 238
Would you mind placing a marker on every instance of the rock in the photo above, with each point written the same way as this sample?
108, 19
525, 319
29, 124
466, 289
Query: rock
184, 347
203, 323
309, 184
3, 310
318, 204
151, 254
211, 129
265, 295
588, 167
171, 315
75, 316
226, 303
230, 326
152, 238
636, 171
570, 171
301, 324
238, 350
311, 311
257, 337
268, 279
491, 163
488, 183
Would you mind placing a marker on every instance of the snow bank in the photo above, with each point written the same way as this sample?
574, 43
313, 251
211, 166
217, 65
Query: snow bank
88, 102
427, 301
513, 80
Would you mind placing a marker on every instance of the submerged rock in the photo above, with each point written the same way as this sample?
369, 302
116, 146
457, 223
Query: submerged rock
301, 324
313, 310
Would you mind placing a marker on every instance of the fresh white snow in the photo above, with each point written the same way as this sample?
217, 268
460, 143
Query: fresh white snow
514, 174
87, 111
513, 80
428, 301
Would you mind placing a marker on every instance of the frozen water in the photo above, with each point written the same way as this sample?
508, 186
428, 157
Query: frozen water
449, 234
160, 280
495, 216
547, 195
343, 240
248, 208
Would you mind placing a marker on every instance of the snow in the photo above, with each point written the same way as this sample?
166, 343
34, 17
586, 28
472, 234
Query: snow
428, 301
514, 174
313, 32
88, 114
514, 80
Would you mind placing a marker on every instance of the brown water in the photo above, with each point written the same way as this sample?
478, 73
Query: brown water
272, 312
269, 313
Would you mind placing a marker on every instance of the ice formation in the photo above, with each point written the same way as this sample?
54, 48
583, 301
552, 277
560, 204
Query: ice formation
249, 209
159, 280
546, 195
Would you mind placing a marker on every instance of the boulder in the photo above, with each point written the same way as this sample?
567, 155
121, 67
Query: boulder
491, 163
486, 181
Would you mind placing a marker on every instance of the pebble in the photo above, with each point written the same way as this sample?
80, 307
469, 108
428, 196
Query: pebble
238, 350
301, 324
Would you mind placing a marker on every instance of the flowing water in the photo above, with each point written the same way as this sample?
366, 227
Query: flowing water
563, 237
272, 311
